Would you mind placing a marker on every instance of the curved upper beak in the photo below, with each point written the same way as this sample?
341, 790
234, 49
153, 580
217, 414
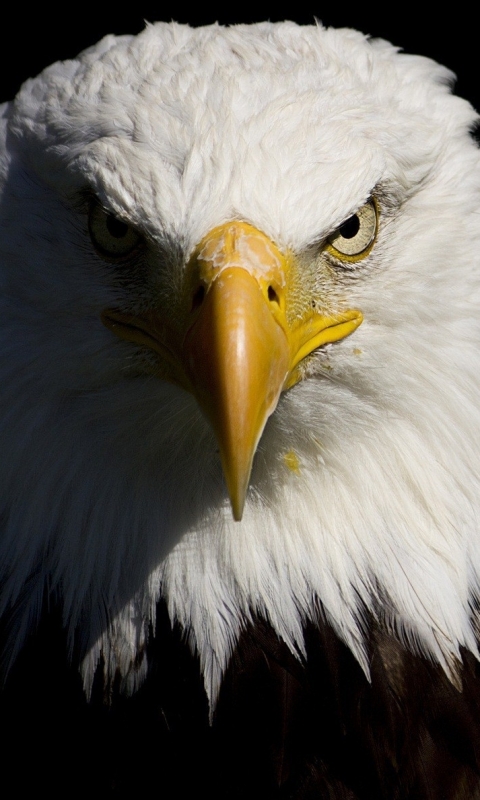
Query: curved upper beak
241, 347
237, 357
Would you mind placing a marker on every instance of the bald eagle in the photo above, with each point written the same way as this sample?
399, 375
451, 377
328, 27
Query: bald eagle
240, 500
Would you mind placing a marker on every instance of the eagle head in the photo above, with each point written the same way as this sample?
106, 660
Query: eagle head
240, 345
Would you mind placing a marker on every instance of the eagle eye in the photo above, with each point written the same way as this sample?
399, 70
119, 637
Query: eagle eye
111, 236
355, 237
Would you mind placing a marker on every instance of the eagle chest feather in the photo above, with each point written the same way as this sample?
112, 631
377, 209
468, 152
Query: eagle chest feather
282, 728
239, 390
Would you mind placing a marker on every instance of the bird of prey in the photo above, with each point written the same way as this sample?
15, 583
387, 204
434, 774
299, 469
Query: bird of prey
240, 424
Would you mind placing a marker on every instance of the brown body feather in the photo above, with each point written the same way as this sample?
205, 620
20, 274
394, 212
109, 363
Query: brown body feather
317, 730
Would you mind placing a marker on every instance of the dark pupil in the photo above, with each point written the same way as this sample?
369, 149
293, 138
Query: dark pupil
116, 227
350, 227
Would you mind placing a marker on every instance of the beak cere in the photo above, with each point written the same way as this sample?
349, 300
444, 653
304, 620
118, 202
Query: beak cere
241, 349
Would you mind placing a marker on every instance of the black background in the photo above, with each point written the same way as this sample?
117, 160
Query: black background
32, 40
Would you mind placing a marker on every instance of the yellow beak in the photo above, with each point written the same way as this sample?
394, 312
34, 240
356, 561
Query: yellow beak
236, 357
241, 347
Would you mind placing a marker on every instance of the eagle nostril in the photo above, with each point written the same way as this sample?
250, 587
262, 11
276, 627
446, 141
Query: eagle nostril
198, 297
273, 296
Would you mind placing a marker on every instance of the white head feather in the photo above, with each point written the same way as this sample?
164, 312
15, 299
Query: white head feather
112, 491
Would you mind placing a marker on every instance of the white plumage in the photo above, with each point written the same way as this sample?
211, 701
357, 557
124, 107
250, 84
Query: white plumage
364, 495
